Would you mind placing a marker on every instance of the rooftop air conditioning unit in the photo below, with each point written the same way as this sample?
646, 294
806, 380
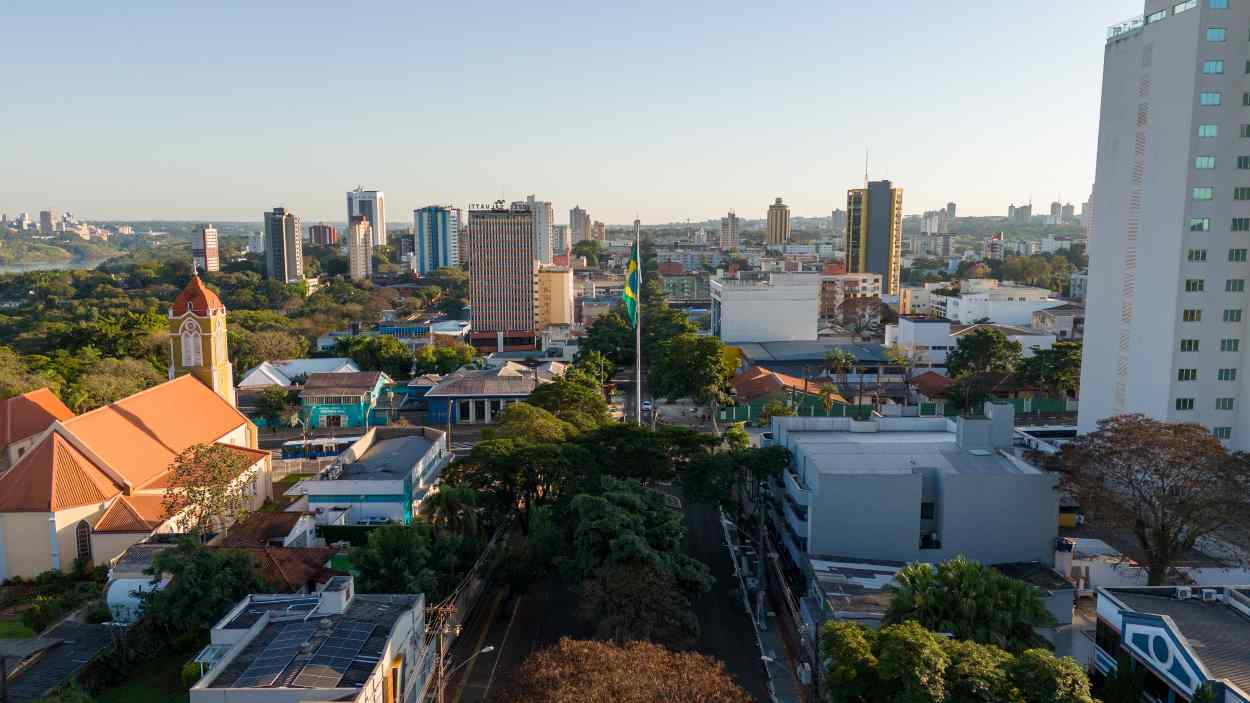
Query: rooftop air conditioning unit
1184, 593
1210, 595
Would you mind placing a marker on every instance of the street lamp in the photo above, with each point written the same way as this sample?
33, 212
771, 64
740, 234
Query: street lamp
444, 675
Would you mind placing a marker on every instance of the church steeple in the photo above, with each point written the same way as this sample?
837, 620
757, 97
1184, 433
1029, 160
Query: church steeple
197, 339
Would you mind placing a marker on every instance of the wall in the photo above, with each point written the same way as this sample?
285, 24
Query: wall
108, 546
67, 533
866, 516
999, 517
785, 311
26, 538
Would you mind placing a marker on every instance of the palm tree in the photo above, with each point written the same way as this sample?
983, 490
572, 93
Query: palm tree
827, 394
840, 361
453, 508
905, 357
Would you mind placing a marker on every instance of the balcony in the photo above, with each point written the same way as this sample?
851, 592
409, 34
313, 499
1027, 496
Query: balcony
796, 524
795, 490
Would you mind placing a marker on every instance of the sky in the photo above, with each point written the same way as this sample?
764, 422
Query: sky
671, 111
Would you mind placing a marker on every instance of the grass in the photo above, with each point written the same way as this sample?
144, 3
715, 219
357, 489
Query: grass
15, 630
157, 681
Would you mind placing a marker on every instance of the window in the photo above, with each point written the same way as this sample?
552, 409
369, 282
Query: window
1237, 255
1217, 4
1216, 34
1226, 375
1235, 285
1184, 5
1209, 131
1213, 68
1232, 315
1184, 403
1241, 193
189, 340
1204, 193
1222, 432
1189, 345
1241, 224
1210, 99
82, 535
1200, 224
1192, 315
1243, 163
1194, 285
1245, 131
926, 510
1204, 162
1187, 374
1223, 403
1197, 254
1230, 344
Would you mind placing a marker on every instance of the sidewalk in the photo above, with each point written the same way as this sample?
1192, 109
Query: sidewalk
785, 680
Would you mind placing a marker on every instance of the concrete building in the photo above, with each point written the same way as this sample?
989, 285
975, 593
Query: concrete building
1068, 214
289, 373
204, 250
1165, 309
729, 232
544, 221
950, 213
555, 297
1004, 302
782, 307
344, 399
478, 396
360, 248
875, 232
778, 224
503, 276
256, 243
599, 232
284, 246
1066, 322
323, 235
994, 248
436, 231
370, 204
838, 288
931, 339
335, 644
1078, 284
561, 242
687, 287
49, 223
914, 489
579, 225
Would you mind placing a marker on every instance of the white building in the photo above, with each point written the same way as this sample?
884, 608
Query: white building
544, 221
932, 339
1002, 303
360, 248
1167, 278
204, 249
335, 644
783, 307
729, 232
370, 204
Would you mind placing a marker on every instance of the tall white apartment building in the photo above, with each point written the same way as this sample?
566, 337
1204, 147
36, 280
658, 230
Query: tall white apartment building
729, 232
370, 204
1166, 303
544, 220
204, 249
359, 248
579, 224
284, 246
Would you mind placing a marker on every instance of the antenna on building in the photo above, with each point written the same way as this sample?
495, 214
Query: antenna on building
865, 167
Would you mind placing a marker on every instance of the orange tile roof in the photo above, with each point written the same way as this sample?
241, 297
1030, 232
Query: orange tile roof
135, 513
291, 568
139, 436
758, 382
54, 476
29, 414
197, 298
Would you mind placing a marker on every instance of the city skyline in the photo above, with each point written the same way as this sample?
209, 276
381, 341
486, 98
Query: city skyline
937, 128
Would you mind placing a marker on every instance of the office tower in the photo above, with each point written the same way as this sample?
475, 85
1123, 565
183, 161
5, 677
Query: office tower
1056, 211
1165, 318
1068, 214
360, 248
323, 235
204, 249
950, 214
946, 247
561, 244
503, 276
874, 232
48, 222
778, 223
544, 219
284, 246
994, 247
599, 232
436, 234
729, 232
1011, 212
579, 224
838, 221
370, 204
23, 221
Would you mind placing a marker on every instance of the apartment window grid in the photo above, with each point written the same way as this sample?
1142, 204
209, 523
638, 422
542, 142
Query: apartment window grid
1197, 255
1241, 224
1217, 34
1200, 224
1230, 344
1225, 403
1241, 193
1184, 403
1194, 285
1204, 162
1235, 285
1189, 345
1237, 256
1243, 163
1210, 98
1203, 193
1222, 432
1192, 315
1226, 375
1232, 315
1213, 67
1211, 131
1187, 374
1217, 4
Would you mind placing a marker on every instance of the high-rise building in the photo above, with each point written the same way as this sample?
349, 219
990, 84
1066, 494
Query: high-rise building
561, 243
48, 222
838, 221
370, 204
359, 248
946, 245
555, 297
995, 247
875, 232
284, 246
1067, 214
256, 243
503, 276
778, 223
1056, 211
579, 224
729, 232
204, 249
436, 230
22, 221
950, 214
599, 232
1165, 310
544, 220
323, 235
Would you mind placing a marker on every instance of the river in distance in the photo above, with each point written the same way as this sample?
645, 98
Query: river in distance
52, 265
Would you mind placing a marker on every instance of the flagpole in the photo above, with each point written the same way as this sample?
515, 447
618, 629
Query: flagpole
638, 338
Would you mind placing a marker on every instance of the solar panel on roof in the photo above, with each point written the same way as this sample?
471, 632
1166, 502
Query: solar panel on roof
276, 656
335, 655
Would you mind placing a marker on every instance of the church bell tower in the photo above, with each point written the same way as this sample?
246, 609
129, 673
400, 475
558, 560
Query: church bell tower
197, 339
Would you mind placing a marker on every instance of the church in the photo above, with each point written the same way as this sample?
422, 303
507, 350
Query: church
85, 487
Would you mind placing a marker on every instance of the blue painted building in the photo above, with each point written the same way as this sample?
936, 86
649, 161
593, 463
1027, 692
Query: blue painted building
477, 396
437, 238
344, 399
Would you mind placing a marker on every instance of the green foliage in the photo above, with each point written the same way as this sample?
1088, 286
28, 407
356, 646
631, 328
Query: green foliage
851, 672
985, 349
589, 248
205, 584
531, 423
273, 404
628, 601
443, 359
1057, 369
691, 366
385, 354
68, 693
248, 349
597, 366
775, 408
736, 437
43, 611
575, 391
911, 663
1043, 678
970, 601
189, 674
413, 559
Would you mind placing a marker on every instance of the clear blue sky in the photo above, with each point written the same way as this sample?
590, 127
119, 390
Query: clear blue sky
220, 110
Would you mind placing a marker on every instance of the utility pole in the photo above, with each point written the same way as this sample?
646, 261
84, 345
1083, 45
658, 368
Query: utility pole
440, 621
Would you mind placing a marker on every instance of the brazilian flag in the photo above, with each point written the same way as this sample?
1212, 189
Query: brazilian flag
633, 284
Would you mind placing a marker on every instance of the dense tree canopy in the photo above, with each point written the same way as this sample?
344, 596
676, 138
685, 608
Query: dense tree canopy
382, 353
982, 350
1057, 370
206, 583
443, 358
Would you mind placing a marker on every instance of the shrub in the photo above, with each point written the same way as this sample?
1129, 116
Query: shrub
190, 673
98, 612
42, 613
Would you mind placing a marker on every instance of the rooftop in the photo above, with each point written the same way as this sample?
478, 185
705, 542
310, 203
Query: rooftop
1035, 573
901, 452
29, 414
388, 459
510, 379
813, 351
357, 383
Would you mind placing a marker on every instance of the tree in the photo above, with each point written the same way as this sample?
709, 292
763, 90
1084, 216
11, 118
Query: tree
692, 366
452, 507
1171, 484
580, 671
576, 391
736, 437
383, 353
597, 365
983, 350
248, 349
839, 361
108, 380
531, 423
443, 358
205, 492
1056, 370
828, 397
637, 600
396, 559
15, 378
971, 601
906, 357
776, 408
1043, 678
206, 583
589, 248
273, 404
